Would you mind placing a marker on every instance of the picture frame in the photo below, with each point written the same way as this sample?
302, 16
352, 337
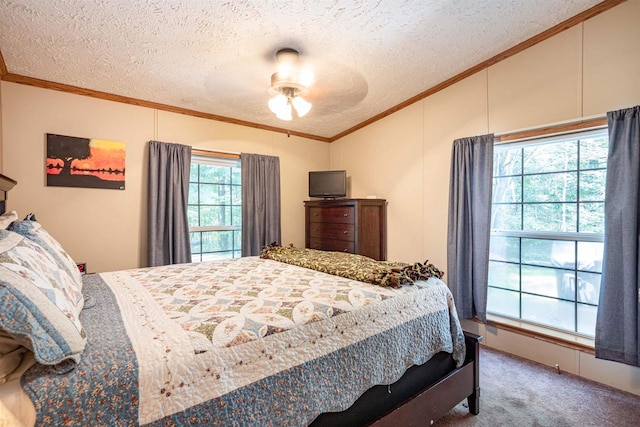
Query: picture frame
84, 162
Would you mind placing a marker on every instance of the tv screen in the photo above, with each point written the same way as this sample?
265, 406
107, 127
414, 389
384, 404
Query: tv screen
327, 184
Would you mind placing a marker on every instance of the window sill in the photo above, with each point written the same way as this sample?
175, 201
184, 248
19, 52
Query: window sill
553, 336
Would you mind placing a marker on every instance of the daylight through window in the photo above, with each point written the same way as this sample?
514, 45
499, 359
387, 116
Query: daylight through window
547, 225
214, 208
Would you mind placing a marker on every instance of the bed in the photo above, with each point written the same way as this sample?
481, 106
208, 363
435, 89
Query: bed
248, 341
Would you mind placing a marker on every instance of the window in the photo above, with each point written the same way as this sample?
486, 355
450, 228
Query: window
547, 230
214, 208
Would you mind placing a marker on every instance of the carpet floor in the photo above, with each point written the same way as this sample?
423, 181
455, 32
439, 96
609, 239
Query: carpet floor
520, 393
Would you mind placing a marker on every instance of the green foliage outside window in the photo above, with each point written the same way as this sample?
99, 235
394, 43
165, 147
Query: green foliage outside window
547, 226
215, 211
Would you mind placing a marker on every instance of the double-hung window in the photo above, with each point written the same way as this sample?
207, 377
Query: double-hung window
214, 208
547, 228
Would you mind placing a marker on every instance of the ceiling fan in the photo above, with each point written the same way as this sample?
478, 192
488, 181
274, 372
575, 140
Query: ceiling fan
288, 85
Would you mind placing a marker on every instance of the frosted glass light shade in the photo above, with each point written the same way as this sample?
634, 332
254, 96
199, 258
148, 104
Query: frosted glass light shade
301, 106
278, 103
285, 112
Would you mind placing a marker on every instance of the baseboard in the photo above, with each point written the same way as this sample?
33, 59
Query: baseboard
566, 358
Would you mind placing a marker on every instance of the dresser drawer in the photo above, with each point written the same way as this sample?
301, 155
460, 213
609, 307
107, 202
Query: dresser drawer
333, 231
332, 245
344, 215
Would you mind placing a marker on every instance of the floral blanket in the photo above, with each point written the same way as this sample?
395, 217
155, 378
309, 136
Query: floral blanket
243, 342
355, 267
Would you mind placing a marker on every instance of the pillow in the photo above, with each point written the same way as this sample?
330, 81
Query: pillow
39, 303
7, 218
33, 230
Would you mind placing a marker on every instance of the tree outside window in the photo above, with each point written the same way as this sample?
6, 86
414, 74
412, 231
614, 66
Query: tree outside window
214, 208
547, 226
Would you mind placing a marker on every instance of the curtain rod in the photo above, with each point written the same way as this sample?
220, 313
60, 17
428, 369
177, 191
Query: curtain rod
595, 122
216, 153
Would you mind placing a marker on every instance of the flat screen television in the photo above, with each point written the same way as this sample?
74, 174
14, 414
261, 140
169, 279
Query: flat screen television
328, 184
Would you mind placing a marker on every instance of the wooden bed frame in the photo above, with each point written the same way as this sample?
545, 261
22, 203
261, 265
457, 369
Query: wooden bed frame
435, 401
425, 392
6, 184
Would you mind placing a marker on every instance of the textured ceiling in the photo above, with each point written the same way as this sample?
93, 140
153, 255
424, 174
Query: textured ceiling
217, 57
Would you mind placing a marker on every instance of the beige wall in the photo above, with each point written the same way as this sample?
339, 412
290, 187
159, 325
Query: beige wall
583, 72
0, 128
107, 228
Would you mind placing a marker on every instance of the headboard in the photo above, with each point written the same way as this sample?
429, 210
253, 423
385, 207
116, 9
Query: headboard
6, 184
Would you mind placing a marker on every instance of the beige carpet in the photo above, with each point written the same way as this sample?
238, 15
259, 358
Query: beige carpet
517, 392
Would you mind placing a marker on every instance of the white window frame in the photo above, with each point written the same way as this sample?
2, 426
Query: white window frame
213, 159
546, 235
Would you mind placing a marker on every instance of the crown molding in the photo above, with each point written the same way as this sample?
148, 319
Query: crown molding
565, 25
3, 66
46, 84
569, 23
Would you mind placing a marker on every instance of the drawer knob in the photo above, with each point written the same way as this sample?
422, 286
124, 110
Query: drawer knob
345, 232
315, 229
345, 215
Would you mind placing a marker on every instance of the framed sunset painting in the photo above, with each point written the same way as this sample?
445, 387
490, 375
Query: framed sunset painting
84, 162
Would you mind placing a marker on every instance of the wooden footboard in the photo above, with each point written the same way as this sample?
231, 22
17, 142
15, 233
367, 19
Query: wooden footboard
437, 400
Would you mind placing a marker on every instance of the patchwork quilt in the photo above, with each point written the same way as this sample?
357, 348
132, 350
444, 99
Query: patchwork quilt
247, 341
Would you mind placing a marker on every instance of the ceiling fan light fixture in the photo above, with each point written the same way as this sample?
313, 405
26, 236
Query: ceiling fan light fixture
285, 112
287, 56
287, 88
301, 105
277, 103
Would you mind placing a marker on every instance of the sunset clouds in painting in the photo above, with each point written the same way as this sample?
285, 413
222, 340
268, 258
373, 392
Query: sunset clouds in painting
83, 162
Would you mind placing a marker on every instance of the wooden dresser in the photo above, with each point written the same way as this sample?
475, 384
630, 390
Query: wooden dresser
357, 226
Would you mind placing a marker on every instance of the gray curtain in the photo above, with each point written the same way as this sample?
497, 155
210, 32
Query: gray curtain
468, 231
260, 202
168, 228
618, 319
